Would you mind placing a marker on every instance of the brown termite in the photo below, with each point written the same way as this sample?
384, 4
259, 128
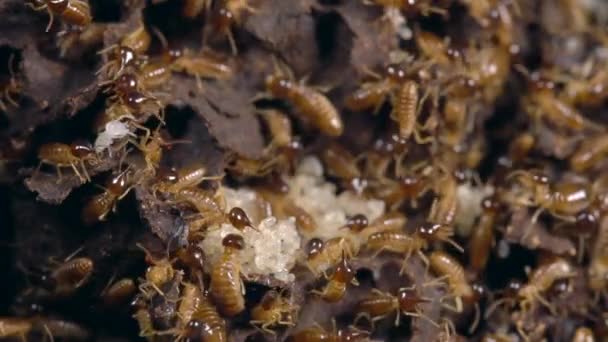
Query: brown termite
406, 106
371, 95
446, 266
389, 222
380, 304
75, 12
541, 279
160, 272
226, 14
119, 292
397, 242
203, 65
433, 232
187, 177
340, 162
99, 206
336, 287
454, 123
445, 206
590, 153
9, 86
71, 276
208, 205
138, 40
193, 258
226, 284
309, 102
433, 47
279, 127
205, 324
273, 310
15, 327
283, 207
520, 147
564, 199
120, 58
318, 334
482, 236
63, 155
583, 334
190, 303
61, 329
544, 103
144, 321
330, 252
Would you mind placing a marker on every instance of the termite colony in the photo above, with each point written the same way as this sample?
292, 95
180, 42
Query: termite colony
272, 170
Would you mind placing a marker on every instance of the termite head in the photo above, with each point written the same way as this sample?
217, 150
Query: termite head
118, 184
223, 19
269, 299
490, 204
234, 241
513, 287
434, 231
126, 82
167, 175
348, 335
587, 221
395, 73
238, 218
344, 273
277, 85
82, 149
357, 222
314, 247
411, 185
539, 83
409, 299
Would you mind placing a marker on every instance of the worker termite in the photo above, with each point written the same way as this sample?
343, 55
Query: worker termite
397, 242
205, 324
446, 266
482, 237
9, 86
590, 153
328, 253
318, 334
226, 284
542, 102
520, 147
60, 329
434, 48
541, 279
99, 206
337, 285
15, 327
564, 199
204, 65
406, 107
433, 232
208, 204
138, 40
309, 102
382, 304
187, 177
119, 292
370, 95
75, 12
273, 310
583, 334
144, 321
64, 155
279, 127
193, 258
226, 14
189, 303
445, 206
389, 222
340, 163
71, 276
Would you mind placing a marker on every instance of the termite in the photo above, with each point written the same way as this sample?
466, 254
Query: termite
279, 127
71, 276
99, 206
546, 103
206, 324
64, 155
564, 199
446, 266
337, 285
482, 237
119, 292
541, 279
137, 40
397, 242
309, 102
340, 162
187, 177
433, 47
204, 65
590, 153
273, 310
520, 147
370, 95
61, 329
445, 206
228, 13
406, 104
226, 284
75, 12
389, 222
433, 232
328, 253
15, 327
193, 258
380, 304
189, 303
